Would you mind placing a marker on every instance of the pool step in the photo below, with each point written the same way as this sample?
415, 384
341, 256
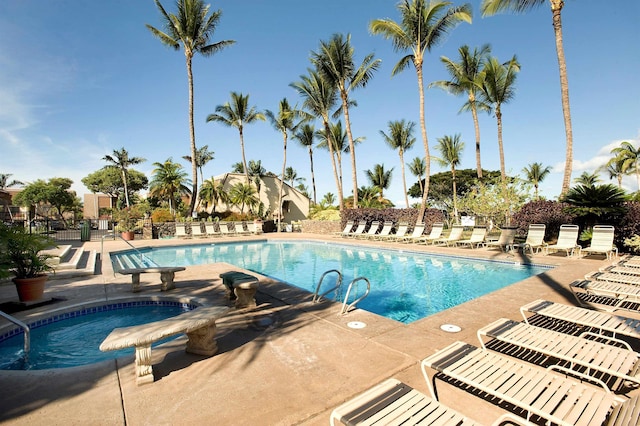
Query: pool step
76, 262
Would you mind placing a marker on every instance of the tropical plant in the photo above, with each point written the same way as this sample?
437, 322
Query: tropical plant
418, 167
169, 182
212, 193
236, 114
6, 183
379, 178
587, 179
203, 156
494, 201
243, 195
43, 195
306, 137
192, 28
491, 7
121, 161
400, 137
593, 203
423, 25
319, 97
451, 148
21, 252
536, 173
499, 88
335, 63
629, 158
328, 199
127, 219
467, 79
291, 176
109, 181
614, 168
334, 139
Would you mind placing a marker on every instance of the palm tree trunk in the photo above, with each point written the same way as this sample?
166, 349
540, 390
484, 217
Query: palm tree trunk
425, 142
455, 192
352, 149
325, 122
244, 160
404, 179
126, 189
476, 127
284, 165
503, 174
556, 10
192, 136
313, 178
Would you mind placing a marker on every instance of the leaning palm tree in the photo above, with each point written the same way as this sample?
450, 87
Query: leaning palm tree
417, 167
169, 182
629, 157
191, 28
319, 97
306, 137
498, 89
379, 178
466, 79
451, 148
424, 25
236, 114
121, 161
286, 120
491, 7
334, 60
400, 137
536, 173
203, 156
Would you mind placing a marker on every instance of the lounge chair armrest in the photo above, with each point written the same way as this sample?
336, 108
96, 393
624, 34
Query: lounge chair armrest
585, 377
601, 337
511, 419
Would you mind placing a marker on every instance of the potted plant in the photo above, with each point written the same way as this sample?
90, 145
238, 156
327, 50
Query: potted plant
21, 255
127, 223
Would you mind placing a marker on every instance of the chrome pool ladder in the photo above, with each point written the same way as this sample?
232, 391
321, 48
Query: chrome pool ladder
25, 328
346, 307
316, 297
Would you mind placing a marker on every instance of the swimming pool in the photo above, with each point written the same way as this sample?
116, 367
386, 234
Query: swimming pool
405, 285
73, 338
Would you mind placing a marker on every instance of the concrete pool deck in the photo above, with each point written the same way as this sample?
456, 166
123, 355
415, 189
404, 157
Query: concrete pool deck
285, 362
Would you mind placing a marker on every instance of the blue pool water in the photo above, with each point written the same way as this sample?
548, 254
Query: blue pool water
73, 339
405, 286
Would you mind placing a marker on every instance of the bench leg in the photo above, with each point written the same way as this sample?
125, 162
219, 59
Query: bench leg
202, 341
135, 283
246, 297
167, 280
144, 371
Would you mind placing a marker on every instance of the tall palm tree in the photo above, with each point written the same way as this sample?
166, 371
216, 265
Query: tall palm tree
536, 173
451, 148
466, 79
6, 183
328, 199
203, 156
120, 160
417, 167
614, 169
291, 175
629, 158
243, 195
334, 60
236, 114
498, 89
286, 120
306, 137
212, 192
491, 7
319, 97
424, 25
380, 178
400, 137
169, 182
192, 27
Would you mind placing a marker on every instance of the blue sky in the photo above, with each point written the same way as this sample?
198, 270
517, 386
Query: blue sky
79, 79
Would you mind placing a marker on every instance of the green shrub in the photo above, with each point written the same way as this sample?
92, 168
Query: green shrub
162, 215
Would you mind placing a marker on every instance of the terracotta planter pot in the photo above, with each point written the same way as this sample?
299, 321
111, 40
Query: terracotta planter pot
128, 236
30, 289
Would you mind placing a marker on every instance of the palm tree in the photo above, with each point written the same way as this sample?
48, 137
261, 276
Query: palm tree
499, 88
629, 158
5, 183
169, 182
466, 78
450, 148
306, 137
587, 179
335, 62
614, 168
491, 7
121, 161
380, 178
319, 97
536, 173
191, 28
212, 192
292, 177
328, 199
203, 156
286, 121
418, 168
423, 26
236, 114
400, 137
243, 195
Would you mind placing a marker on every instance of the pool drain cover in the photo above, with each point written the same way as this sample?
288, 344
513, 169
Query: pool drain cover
450, 328
356, 324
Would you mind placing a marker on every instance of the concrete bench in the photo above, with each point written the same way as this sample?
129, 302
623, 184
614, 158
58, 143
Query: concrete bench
241, 287
199, 325
167, 273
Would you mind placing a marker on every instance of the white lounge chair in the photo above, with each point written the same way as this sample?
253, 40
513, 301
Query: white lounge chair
373, 230
347, 229
387, 227
476, 239
454, 236
210, 229
606, 295
418, 232
401, 231
504, 241
602, 242
567, 240
181, 231
226, 228
239, 228
196, 230
434, 234
535, 239
362, 225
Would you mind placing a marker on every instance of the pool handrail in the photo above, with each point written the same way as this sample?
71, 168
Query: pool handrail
25, 328
317, 298
346, 308
114, 236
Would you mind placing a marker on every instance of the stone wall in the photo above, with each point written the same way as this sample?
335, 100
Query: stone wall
321, 226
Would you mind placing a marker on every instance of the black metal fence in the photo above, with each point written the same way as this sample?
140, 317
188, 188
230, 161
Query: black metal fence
82, 230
